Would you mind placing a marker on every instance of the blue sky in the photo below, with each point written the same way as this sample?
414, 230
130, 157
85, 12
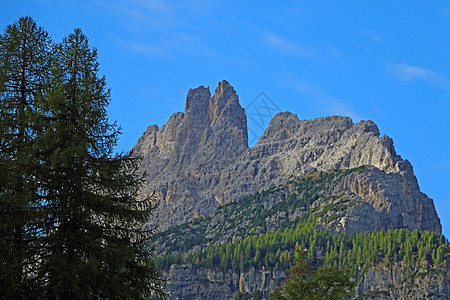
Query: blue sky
387, 61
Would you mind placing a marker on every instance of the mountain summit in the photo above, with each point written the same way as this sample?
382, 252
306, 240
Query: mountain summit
200, 160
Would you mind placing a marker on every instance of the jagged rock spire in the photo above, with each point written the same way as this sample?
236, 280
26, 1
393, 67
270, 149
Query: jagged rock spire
200, 159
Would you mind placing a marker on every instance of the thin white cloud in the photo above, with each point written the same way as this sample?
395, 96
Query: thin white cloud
324, 102
147, 49
168, 46
282, 44
371, 40
159, 28
406, 72
373, 35
155, 6
297, 48
330, 105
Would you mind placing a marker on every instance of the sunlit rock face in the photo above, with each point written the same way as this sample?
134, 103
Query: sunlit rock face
200, 160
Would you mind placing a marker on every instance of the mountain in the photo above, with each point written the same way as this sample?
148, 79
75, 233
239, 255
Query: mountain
243, 249
326, 176
200, 160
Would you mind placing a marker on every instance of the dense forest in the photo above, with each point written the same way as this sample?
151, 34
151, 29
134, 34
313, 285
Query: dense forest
254, 243
359, 250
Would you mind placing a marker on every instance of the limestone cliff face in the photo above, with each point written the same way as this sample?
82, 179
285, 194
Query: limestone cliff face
184, 158
200, 160
188, 281
191, 282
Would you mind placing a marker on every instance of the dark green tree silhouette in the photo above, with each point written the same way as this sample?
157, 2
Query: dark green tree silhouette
73, 222
305, 283
25, 51
96, 237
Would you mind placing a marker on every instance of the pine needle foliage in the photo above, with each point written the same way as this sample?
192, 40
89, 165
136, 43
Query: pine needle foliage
72, 206
25, 51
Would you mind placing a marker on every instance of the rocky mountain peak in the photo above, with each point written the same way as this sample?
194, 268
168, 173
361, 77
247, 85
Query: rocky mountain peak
222, 88
197, 102
368, 127
287, 125
200, 159
220, 114
227, 116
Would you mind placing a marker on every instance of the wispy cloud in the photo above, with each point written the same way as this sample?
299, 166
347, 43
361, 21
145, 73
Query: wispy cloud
324, 102
298, 48
330, 105
373, 36
406, 72
169, 45
159, 28
145, 48
372, 39
282, 44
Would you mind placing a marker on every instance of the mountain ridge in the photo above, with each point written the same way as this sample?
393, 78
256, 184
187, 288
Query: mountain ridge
241, 251
200, 159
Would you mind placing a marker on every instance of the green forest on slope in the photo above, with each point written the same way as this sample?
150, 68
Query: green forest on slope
273, 250
248, 215
199, 243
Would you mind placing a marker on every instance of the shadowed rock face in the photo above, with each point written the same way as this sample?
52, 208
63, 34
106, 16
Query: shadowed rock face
191, 282
200, 160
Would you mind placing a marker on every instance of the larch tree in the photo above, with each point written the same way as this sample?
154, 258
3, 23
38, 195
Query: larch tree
303, 282
25, 51
96, 237
73, 223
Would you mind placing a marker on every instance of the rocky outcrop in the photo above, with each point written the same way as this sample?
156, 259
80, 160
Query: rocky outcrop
386, 201
381, 282
184, 158
191, 282
188, 281
200, 160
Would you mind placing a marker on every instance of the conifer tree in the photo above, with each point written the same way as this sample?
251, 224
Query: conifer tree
25, 51
305, 283
95, 235
72, 220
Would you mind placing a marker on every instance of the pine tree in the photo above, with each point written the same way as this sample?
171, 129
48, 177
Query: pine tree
95, 237
25, 51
